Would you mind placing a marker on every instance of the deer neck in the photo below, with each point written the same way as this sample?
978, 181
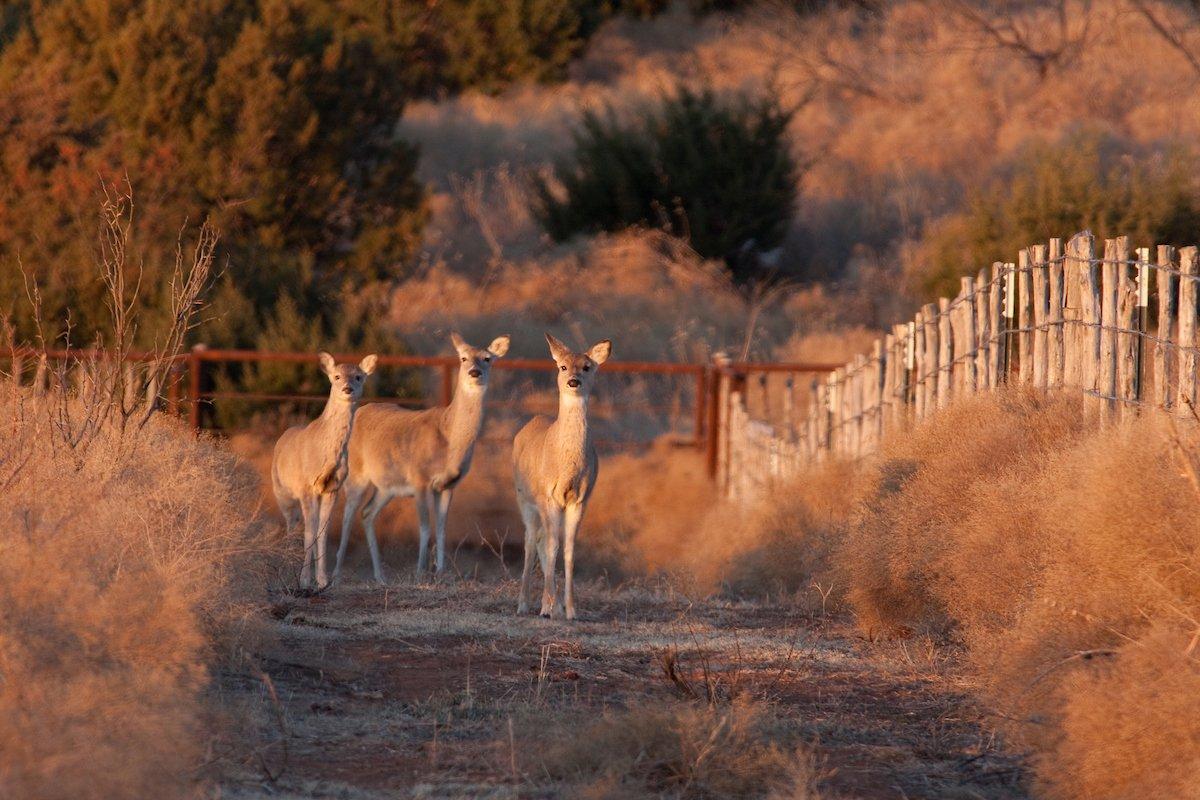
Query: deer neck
463, 420
571, 427
336, 420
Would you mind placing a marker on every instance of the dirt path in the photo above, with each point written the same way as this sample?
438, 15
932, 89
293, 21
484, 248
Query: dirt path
412, 692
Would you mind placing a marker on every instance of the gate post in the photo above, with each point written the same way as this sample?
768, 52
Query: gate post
194, 385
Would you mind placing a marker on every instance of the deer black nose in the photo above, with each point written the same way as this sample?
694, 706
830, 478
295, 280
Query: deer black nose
474, 373
573, 383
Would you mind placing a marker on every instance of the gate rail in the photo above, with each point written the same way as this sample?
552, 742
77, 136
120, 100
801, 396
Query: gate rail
185, 386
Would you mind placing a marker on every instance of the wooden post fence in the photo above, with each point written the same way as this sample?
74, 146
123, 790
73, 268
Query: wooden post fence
1057, 319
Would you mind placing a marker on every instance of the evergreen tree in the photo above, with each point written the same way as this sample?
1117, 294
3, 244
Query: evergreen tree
715, 172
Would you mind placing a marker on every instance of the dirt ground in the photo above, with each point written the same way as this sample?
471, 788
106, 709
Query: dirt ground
438, 690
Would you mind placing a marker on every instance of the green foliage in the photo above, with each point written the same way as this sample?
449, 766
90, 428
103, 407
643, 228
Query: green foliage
711, 170
286, 329
274, 117
490, 43
1086, 181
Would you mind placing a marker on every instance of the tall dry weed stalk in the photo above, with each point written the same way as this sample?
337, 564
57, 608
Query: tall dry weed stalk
110, 383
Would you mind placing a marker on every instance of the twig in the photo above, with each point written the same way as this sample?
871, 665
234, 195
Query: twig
279, 720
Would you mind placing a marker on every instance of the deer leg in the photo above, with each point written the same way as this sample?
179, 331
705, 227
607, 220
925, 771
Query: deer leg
308, 507
324, 513
289, 507
553, 533
354, 496
532, 519
424, 501
374, 505
441, 502
571, 519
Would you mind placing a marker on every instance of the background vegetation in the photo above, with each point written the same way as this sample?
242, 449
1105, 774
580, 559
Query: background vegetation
715, 173
373, 169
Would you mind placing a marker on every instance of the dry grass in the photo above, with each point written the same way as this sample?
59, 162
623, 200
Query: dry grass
128, 560
675, 750
1065, 558
782, 548
647, 506
655, 297
895, 560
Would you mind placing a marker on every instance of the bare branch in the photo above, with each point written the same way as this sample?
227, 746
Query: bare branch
1170, 33
1024, 35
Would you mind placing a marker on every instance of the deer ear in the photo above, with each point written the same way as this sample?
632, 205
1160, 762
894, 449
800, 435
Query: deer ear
458, 341
557, 348
499, 346
327, 362
600, 351
367, 365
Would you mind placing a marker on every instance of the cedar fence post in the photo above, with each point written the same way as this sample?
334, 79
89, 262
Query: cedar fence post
945, 353
967, 345
1165, 333
1128, 339
1106, 383
982, 331
1040, 317
1054, 318
932, 354
1187, 328
1024, 318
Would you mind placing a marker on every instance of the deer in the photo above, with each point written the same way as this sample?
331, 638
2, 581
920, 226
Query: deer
398, 452
555, 468
310, 463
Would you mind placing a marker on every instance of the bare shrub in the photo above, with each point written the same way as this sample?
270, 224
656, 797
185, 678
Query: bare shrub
924, 483
1129, 725
1065, 557
1103, 650
133, 555
676, 750
128, 570
784, 545
647, 507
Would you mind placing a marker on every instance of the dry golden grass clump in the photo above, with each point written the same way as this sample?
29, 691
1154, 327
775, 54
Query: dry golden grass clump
127, 560
677, 750
1105, 648
895, 560
651, 293
784, 545
646, 507
1066, 558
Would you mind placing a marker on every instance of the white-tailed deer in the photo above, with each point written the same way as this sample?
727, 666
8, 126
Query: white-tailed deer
397, 452
310, 462
555, 467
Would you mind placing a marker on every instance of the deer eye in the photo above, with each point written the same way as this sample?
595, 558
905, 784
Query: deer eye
487, 359
563, 367
464, 361
337, 377
586, 367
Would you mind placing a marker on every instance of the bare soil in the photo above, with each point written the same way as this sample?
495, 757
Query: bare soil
438, 690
